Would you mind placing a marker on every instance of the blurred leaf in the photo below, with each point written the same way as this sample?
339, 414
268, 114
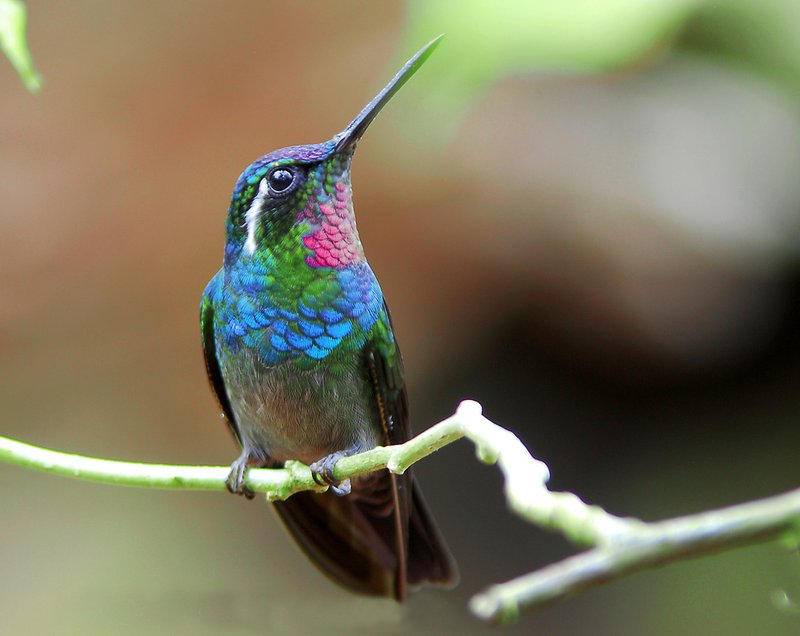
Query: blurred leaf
785, 603
13, 19
487, 40
761, 35
791, 539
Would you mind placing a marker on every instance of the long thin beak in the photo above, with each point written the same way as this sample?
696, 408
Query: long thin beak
350, 135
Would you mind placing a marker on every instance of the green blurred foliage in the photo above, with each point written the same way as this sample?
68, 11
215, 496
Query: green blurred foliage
487, 40
760, 35
13, 19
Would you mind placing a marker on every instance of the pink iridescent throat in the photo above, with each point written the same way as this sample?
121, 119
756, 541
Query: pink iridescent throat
335, 241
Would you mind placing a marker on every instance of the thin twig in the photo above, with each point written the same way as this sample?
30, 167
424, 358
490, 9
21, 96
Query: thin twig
621, 545
649, 545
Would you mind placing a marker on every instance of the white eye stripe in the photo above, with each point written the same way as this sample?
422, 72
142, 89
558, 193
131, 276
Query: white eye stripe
253, 214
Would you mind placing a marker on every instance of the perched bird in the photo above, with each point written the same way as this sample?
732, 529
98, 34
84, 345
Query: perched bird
300, 351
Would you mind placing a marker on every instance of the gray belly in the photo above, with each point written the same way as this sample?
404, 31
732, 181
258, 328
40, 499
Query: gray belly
286, 412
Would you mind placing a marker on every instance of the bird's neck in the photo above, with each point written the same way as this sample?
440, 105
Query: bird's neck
331, 238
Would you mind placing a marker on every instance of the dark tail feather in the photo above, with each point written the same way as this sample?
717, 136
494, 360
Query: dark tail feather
354, 539
342, 541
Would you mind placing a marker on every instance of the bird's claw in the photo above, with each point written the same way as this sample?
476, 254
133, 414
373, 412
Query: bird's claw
342, 488
322, 471
235, 483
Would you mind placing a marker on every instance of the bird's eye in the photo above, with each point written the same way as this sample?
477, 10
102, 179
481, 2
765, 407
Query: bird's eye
280, 180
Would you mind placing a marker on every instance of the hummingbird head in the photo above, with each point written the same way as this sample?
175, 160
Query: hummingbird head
300, 199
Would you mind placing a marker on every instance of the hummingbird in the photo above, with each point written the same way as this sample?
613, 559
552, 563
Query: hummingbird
301, 353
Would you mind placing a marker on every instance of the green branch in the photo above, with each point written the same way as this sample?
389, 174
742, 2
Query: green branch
641, 546
621, 546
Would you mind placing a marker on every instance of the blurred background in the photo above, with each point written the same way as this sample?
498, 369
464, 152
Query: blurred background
585, 215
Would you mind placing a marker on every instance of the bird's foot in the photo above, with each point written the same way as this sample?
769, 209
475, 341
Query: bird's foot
235, 483
322, 471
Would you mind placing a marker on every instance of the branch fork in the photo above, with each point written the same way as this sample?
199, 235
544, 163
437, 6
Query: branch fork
618, 546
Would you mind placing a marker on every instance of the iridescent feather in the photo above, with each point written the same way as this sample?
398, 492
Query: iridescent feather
300, 350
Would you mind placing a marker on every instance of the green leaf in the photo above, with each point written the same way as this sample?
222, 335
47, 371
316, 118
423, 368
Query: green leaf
13, 19
486, 40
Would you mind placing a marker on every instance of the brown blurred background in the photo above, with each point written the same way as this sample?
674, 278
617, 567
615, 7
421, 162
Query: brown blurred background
588, 222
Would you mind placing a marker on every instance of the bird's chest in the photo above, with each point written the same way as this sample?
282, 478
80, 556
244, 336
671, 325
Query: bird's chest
290, 347
288, 411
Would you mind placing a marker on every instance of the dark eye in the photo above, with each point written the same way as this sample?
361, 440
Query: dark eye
280, 180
